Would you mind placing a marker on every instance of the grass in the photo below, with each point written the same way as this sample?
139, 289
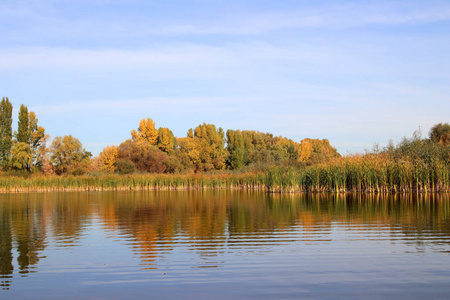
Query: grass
364, 174
414, 166
39, 183
370, 174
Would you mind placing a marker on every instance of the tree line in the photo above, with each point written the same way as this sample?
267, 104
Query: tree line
149, 149
25, 151
207, 148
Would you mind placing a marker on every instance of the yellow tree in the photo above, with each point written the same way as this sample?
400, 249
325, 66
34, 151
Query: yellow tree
165, 139
191, 148
305, 150
67, 155
316, 151
37, 133
211, 143
146, 131
108, 158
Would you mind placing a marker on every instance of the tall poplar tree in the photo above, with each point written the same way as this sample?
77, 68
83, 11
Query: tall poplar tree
146, 131
5, 129
23, 130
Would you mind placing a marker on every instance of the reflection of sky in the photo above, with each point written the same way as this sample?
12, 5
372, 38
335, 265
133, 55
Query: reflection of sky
279, 246
341, 259
353, 72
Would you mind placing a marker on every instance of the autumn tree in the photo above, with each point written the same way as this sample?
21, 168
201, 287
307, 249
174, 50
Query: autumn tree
67, 155
37, 133
315, 151
124, 166
5, 130
190, 149
146, 131
305, 151
440, 134
147, 157
166, 141
205, 147
21, 156
108, 158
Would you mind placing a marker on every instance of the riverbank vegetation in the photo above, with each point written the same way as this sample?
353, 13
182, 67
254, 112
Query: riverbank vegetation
209, 157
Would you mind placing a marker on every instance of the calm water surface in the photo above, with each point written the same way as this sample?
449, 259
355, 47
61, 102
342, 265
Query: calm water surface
223, 244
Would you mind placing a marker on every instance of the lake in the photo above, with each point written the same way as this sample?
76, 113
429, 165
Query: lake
223, 244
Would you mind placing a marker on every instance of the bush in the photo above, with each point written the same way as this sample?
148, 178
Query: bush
124, 166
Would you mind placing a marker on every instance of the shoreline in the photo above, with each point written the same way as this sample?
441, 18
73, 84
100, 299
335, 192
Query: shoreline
277, 181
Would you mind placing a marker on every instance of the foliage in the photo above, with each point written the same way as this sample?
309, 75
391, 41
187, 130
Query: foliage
313, 151
259, 150
37, 133
146, 131
238, 156
68, 156
205, 148
38, 140
124, 166
23, 134
166, 141
5, 130
440, 134
108, 158
21, 156
147, 157
414, 165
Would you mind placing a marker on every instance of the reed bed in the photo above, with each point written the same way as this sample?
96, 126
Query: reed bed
249, 181
371, 173
368, 174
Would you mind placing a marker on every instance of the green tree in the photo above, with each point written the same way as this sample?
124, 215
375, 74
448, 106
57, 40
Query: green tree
38, 138
5, 130
124, 166
23, 134
236, 149
21, 156
67, 155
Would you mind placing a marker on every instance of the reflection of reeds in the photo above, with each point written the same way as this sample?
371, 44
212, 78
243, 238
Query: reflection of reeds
370, 173
251, 181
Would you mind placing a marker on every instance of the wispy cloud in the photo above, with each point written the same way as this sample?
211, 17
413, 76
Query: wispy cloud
331, 17
350, 71
47, 19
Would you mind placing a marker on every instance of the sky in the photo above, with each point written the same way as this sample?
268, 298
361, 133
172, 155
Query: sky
354, 72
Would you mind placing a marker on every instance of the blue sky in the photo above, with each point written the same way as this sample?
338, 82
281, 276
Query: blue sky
355, 72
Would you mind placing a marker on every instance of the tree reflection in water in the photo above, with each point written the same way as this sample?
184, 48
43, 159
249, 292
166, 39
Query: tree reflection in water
209, 223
